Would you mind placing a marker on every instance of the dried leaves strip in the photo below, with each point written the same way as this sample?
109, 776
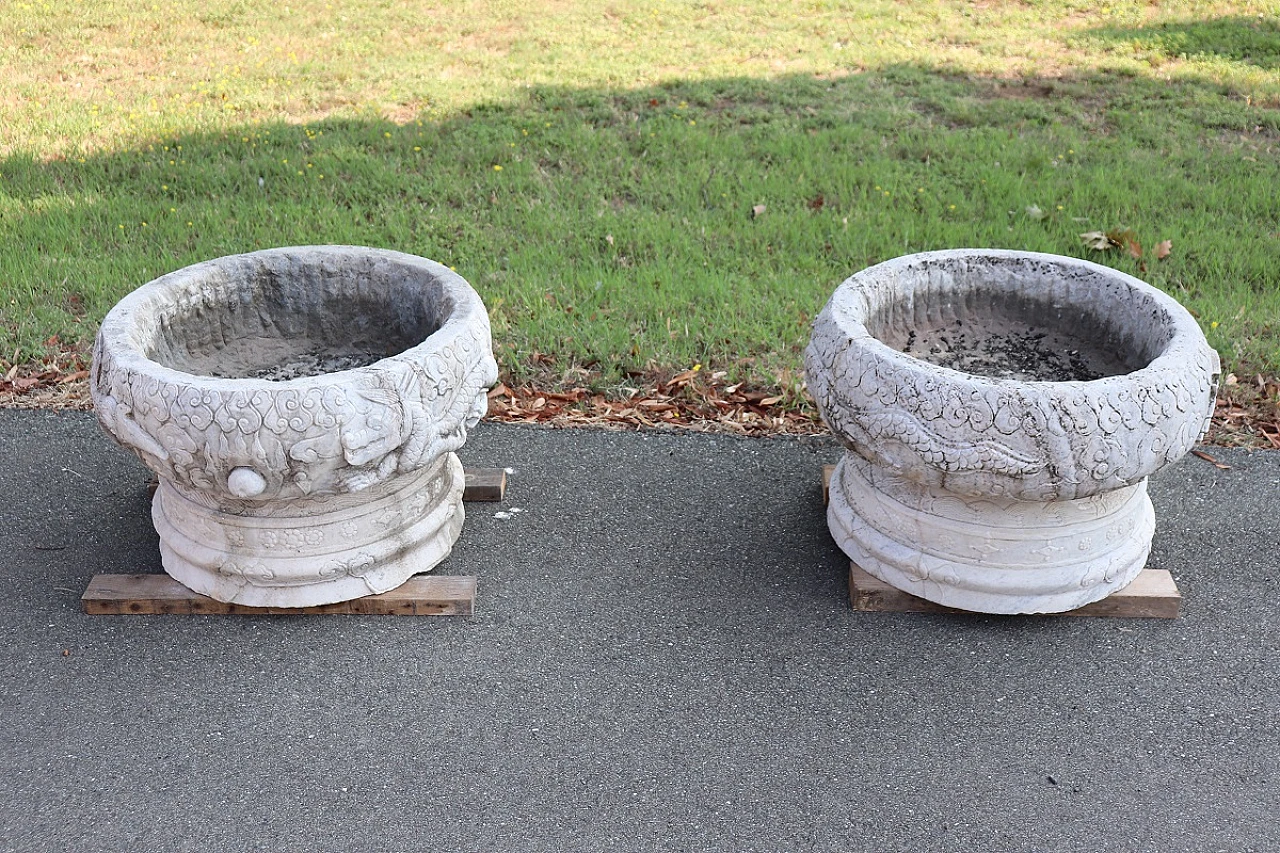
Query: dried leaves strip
58, 382
689, 400
1247, 412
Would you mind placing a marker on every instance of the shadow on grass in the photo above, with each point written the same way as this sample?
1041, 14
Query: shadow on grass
700, 222
1246, 41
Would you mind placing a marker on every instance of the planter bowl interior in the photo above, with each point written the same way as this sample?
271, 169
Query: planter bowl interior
269, 318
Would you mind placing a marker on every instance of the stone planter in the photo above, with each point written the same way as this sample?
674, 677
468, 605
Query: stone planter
301, 407
1002, 411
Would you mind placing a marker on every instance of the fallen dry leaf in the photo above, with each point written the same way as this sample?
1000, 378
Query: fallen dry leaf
1163, 249
757, 211
1097, 240
1127, 239
683, 378
1221, 466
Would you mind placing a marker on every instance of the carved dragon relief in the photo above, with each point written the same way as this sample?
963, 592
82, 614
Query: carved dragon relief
1040, 441
308, 440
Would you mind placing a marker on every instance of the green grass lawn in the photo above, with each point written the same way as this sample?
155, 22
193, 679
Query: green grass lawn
632, 185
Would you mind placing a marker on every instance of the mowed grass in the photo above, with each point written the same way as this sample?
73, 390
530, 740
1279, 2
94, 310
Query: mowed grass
639, 186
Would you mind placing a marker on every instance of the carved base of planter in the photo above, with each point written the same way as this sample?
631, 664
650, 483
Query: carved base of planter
303, 553
988, 554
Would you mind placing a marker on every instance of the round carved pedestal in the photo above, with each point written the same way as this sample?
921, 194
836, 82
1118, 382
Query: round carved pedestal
993, 555
301, 408
329, 548
1001, 413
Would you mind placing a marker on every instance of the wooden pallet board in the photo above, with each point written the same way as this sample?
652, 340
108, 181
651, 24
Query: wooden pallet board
484, 484
1152, 595
149, 594
479, 484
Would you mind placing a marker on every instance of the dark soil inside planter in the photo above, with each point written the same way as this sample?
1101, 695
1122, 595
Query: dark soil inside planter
1026, 355
314, 363
1013, 336
287, 319
279, 360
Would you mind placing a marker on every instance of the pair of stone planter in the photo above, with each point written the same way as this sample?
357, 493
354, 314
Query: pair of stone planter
1002, 410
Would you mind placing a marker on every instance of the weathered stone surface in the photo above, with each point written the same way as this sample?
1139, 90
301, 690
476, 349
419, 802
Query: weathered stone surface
315, 488
1006, 492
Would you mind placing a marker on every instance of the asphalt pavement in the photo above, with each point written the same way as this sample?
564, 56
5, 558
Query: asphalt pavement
663, 657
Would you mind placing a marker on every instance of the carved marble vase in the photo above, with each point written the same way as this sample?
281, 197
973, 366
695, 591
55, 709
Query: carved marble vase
1001, 413
301, 407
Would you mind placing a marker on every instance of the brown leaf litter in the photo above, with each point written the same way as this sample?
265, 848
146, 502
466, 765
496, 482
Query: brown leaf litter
1247, 413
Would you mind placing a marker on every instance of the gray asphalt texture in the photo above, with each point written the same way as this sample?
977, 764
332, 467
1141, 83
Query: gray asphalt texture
663, 658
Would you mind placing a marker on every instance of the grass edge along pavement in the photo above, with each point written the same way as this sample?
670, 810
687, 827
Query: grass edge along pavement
551, 204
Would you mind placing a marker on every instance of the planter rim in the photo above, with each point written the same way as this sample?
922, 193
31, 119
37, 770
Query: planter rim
128, 354
1175, 353
259, 439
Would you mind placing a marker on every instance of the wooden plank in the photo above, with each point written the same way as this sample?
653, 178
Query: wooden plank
421, 595
1153, 594
136, 594
479, 484
484, 484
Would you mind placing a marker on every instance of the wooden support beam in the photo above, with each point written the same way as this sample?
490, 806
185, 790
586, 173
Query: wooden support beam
484, 484
1152, 595
145, 594
479, 484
